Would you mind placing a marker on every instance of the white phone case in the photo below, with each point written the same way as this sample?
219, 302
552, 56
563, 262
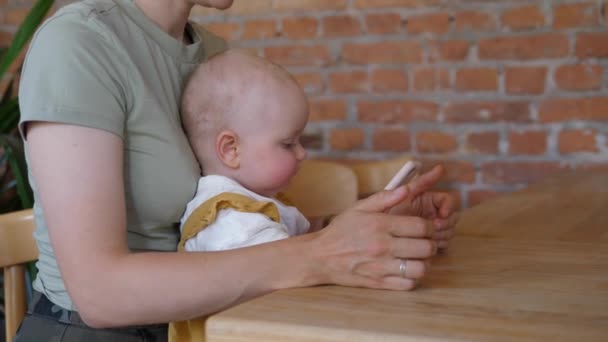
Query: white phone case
404, 175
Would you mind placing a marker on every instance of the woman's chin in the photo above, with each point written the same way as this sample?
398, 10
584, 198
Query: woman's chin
218, 4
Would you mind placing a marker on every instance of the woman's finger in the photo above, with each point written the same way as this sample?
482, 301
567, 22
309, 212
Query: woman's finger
408, 248
383, 200
408, 268
397, 283
425, 181
411, 226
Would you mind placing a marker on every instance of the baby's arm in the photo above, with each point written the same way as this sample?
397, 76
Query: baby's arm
234, 229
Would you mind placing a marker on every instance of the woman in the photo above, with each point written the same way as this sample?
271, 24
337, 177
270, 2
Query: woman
112, 171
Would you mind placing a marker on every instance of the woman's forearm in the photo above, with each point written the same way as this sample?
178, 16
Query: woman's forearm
142, 288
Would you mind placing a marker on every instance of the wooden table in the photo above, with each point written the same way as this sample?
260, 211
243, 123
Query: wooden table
528, 266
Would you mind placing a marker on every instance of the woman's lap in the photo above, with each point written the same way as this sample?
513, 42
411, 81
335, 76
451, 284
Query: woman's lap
48, 322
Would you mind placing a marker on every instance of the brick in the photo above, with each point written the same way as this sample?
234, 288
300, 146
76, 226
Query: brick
237, 8
396, 111
549, 45
390, 139
477, 79
383, 52
228, 31
579, 77
341, 26
383, 23
298, 55
431, 79
327, 110
435, 142
475, 112
349, 82
252, 50
525, 80
474, 21
575, 15
312, 140
519, 172
577, 140
476, 197
449, 50
259, 29
592, 45
590, 108
593, 167
456, 170
311, 82
527, 142
300, 28
435, 23
483, 142
15, 16
364, 4
389, 80
345, 139
5, 38
523, 18
308, 5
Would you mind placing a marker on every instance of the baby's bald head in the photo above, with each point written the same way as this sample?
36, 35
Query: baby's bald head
226, 92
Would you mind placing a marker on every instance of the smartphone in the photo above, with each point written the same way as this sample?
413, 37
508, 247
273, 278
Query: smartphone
404, 175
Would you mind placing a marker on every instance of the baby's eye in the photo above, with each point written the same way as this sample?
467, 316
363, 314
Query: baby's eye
289, 145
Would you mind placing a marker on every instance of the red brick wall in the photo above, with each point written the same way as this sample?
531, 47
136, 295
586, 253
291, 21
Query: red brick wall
504, 93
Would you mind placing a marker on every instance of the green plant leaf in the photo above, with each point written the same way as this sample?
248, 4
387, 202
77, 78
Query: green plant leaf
19, 172
8, 92
9, 115
25, 32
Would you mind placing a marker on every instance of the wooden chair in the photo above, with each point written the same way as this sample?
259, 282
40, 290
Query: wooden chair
322, 188
17, 247
373, 176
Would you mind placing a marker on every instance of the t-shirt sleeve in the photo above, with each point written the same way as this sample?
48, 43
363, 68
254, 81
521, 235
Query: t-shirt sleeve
72, 75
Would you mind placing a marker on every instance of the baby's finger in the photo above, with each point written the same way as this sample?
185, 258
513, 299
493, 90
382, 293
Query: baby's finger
445, 234
443, 244
450, 222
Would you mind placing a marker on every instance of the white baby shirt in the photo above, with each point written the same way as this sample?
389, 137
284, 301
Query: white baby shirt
234, 227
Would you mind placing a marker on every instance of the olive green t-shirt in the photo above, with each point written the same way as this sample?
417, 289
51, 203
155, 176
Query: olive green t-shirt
104, 64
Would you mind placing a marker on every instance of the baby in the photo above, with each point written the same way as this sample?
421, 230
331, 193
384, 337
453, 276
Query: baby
243, 116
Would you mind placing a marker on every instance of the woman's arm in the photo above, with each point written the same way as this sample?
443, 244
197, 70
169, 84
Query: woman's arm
78, 172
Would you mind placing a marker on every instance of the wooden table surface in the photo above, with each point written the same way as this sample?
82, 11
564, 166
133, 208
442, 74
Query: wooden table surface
528, 266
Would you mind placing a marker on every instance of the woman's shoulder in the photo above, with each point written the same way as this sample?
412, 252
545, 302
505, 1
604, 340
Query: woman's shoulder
81, 21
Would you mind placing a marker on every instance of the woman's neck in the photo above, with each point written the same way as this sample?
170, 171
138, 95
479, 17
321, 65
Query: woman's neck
170, 15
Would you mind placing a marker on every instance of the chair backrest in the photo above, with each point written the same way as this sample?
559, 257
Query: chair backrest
17, 247
373, 176
322, 188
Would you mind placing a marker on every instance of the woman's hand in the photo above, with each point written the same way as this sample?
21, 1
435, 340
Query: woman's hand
439, 207
368, 248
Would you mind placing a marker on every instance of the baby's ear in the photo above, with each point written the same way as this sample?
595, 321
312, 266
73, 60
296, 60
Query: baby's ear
227, 149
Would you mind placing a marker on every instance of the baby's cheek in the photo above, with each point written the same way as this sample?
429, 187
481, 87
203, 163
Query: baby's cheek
283, 173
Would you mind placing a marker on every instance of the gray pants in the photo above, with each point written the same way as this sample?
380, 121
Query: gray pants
46, 321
